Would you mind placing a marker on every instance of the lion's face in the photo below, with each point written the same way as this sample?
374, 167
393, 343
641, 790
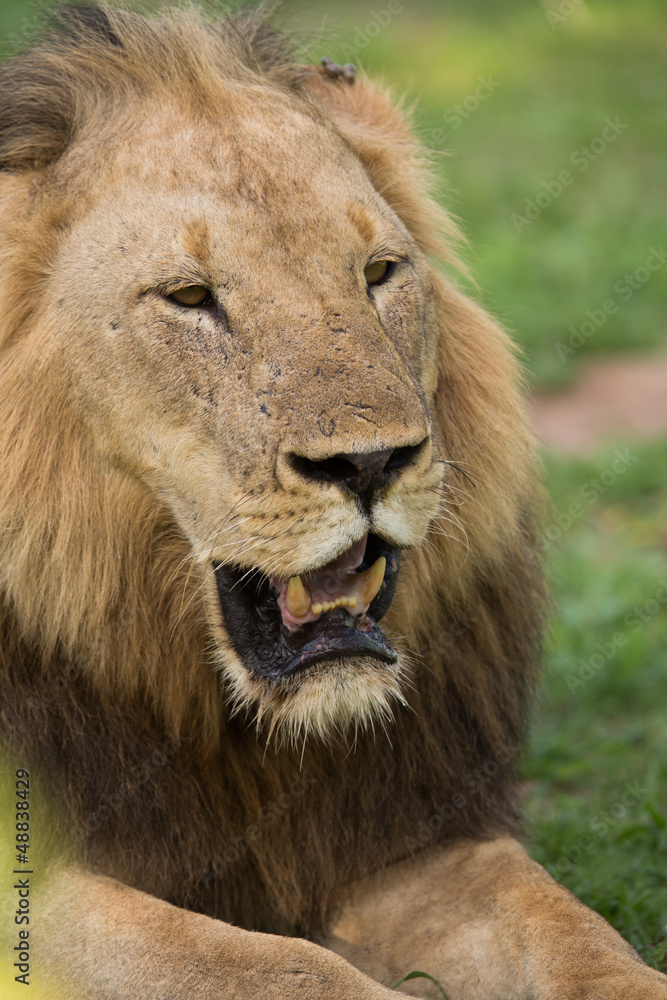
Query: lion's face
247, 330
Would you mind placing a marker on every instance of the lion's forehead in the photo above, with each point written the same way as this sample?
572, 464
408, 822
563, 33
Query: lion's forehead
267, 158
184, 196
282, 240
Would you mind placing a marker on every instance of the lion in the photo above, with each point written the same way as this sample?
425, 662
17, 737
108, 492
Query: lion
270, 592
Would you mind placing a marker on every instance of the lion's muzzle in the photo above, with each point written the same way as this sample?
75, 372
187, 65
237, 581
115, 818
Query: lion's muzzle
281, 625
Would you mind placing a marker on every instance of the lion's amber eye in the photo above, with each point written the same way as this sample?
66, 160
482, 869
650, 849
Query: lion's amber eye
378, 271
191, 295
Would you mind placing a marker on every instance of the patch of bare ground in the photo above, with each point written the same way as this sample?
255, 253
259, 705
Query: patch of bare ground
617, 398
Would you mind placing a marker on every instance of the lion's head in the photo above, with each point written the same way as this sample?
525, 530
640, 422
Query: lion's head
234, 387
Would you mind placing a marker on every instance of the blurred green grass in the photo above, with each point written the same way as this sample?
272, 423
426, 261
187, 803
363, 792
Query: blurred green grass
553, 87
601, 726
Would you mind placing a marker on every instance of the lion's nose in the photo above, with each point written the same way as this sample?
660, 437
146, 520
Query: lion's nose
364, 473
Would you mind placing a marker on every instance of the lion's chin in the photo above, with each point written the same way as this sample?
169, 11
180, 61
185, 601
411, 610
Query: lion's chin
323, 674
330, 701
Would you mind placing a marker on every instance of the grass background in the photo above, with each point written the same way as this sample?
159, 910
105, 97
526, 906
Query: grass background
560, 69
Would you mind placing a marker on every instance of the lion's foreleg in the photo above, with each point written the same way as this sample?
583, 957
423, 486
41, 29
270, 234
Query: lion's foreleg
489, 924
98, 939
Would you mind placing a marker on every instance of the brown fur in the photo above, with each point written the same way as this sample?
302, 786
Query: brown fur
489, 923
110, 640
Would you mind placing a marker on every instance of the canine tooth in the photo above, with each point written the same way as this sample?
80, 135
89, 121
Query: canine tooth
351, 602
372, 579
297, 598
317, 609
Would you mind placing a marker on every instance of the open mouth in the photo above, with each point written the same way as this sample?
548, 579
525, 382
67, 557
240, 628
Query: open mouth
280, 627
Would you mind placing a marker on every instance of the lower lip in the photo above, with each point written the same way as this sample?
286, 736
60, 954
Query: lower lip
338, 637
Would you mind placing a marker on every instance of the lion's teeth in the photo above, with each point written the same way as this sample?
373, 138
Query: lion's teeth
368, 585
371, 580
297, 598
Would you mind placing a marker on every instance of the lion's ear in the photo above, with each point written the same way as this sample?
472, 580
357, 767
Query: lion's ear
397, 164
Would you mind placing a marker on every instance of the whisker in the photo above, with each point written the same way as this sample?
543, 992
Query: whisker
471, 477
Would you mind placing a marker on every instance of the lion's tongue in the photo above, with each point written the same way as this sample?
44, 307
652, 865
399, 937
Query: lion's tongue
304, 599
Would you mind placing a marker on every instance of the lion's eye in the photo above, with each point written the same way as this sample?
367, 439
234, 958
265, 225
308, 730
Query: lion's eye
378, 271
191, 295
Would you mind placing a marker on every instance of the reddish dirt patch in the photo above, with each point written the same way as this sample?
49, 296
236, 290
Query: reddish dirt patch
619, 398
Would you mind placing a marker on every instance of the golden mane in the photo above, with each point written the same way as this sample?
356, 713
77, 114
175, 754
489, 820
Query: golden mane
104, 653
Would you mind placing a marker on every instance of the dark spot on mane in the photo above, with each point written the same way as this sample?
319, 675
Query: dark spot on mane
86, 20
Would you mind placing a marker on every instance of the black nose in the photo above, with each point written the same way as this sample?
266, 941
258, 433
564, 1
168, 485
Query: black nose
364, 473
